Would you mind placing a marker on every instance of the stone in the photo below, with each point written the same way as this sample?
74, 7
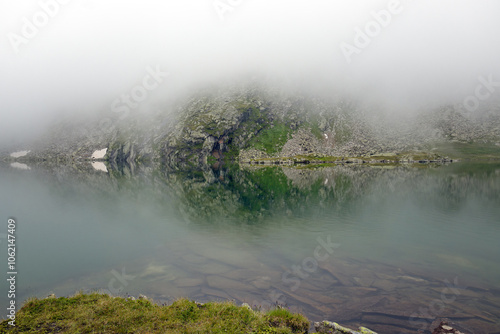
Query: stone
245, 305
445, 328
385, 285
334, 328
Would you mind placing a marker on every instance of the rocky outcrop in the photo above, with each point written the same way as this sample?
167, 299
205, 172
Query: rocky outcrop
262, 124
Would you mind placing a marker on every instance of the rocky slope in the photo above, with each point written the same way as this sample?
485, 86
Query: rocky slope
265, 125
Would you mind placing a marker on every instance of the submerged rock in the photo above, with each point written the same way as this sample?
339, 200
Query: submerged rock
444, 328
334, 328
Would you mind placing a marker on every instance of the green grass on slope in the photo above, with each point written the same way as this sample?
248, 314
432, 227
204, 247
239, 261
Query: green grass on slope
98, 313
271, 140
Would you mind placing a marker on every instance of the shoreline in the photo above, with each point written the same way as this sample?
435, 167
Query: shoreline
105, 313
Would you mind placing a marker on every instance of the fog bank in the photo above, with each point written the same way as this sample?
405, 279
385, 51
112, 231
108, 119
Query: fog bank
77, 57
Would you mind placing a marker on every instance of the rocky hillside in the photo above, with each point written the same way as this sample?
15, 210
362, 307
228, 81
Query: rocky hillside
265, 125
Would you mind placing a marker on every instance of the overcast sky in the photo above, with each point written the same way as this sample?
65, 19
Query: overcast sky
75, 55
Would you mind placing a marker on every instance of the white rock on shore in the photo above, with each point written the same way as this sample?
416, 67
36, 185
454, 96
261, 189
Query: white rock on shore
99, 154
19, 154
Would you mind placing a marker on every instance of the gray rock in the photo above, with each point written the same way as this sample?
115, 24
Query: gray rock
334, 328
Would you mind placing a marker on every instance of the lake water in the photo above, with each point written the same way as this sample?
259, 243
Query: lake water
391, 248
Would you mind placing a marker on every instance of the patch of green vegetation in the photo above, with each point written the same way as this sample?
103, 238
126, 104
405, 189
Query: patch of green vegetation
272, 139
281, 317
97, 313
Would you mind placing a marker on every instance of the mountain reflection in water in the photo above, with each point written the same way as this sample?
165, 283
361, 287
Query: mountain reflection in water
412, 244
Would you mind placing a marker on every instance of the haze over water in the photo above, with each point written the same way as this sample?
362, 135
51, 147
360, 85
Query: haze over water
399, 235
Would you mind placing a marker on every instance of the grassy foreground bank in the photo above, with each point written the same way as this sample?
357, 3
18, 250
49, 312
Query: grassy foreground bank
99, 313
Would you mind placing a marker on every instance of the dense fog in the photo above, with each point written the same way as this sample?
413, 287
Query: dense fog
70, 58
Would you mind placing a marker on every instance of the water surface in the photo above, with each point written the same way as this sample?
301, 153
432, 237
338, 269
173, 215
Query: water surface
409, 245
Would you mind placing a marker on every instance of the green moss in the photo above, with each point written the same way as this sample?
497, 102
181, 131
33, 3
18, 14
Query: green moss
96, 313
272, 139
